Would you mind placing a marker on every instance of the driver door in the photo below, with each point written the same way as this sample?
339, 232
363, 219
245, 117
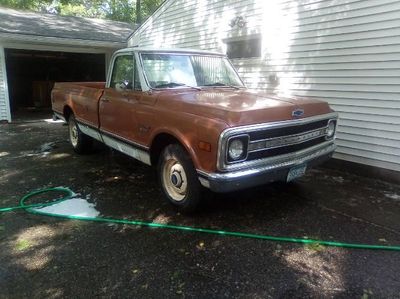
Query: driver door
117, 108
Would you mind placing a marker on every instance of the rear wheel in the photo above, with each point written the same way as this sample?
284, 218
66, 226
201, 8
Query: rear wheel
178, 178
79, 141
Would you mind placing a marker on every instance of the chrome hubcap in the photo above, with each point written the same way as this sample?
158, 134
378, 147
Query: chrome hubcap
73, 133
174, 179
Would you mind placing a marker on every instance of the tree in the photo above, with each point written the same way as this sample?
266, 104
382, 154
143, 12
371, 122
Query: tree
119, 10
25, 4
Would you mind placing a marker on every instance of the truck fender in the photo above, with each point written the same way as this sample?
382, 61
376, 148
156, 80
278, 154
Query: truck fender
162, 137
67, 111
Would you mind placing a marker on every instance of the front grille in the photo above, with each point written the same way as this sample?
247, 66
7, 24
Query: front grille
285, 140
284, 131
270, 141
284, 150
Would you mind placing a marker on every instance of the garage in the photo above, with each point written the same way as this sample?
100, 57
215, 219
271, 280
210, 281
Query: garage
37, 50
32, 74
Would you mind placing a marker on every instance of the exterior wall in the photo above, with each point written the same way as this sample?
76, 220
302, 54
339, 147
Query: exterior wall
4, 103
346, 52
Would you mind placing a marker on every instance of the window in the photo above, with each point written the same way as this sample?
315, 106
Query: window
163, 69
122, 72
175, 70
246, 48
211, 71
125, 73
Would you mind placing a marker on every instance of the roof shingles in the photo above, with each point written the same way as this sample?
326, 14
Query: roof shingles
49, 25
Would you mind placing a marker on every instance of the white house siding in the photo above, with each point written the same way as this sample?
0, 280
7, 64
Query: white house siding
346, 52
4, 104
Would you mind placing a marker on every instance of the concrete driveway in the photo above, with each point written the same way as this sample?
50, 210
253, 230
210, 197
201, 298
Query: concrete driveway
43, 257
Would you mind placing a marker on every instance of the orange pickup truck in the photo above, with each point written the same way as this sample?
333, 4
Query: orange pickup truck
188, 113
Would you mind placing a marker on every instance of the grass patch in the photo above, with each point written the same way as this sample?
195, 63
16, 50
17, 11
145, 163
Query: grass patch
315, 246
22, 245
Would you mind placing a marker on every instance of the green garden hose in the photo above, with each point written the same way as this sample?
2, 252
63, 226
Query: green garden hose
33, 208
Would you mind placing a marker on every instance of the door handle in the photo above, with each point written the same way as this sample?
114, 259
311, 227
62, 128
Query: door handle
134, 98
105, 99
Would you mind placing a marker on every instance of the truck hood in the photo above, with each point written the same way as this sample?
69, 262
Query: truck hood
239, 107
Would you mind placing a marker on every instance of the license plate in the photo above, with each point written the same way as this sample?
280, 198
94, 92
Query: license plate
296, 172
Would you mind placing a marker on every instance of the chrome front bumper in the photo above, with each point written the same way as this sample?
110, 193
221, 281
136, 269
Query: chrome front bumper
266, 170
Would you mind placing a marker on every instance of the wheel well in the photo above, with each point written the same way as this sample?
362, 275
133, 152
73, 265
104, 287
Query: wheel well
158, 144
67, 112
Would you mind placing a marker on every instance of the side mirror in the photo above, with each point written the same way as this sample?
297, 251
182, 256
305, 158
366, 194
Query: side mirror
121, 86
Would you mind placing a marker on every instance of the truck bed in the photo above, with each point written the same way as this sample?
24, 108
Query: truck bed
82, 97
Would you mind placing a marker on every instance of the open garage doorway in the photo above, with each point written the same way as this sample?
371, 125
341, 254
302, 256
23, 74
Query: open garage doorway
32, 74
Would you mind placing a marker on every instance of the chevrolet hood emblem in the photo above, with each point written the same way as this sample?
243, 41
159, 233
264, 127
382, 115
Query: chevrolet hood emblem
297, 112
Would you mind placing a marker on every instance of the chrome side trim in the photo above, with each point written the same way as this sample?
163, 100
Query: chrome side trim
284, 161
127, 149
86, 123
87, 130
116, 136
259, 127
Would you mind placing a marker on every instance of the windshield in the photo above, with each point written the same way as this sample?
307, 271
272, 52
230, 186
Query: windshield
174, 70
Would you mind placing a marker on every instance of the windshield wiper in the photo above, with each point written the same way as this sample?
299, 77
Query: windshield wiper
175, 84
223, 84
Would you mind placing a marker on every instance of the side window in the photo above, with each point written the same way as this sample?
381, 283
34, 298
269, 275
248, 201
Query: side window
122, 72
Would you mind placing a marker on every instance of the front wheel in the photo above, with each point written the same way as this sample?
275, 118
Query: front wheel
80, 142
178, 178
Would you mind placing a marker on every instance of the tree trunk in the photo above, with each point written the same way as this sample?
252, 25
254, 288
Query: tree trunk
138, 13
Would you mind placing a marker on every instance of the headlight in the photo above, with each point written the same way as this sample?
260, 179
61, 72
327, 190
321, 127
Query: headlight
330, 131
237, 148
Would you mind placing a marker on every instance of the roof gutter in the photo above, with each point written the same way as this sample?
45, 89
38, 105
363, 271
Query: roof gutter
37, 39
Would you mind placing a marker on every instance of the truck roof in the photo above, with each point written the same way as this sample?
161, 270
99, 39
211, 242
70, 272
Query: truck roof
168, 50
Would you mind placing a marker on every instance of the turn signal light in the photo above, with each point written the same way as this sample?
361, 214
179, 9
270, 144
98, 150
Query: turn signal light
205, 146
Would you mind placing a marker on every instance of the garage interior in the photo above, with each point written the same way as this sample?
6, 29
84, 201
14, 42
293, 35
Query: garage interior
31, 76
